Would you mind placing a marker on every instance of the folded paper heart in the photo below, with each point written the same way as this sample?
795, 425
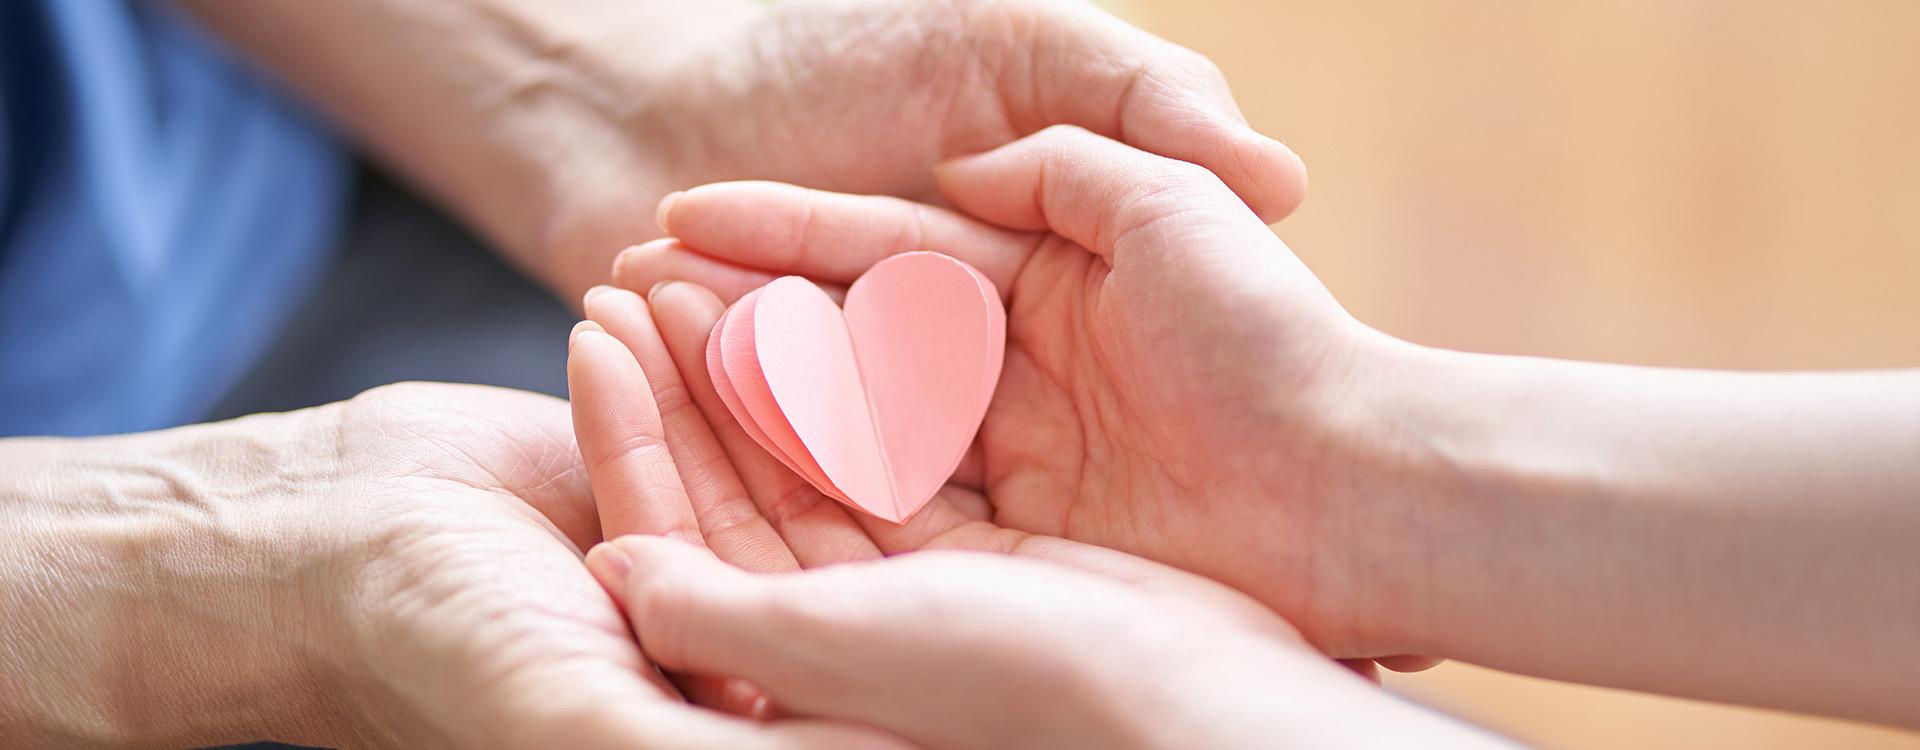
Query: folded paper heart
875, 404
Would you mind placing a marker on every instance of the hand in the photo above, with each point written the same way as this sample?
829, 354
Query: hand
401, 569
1177, 384
1088, 648
551, 126
949, 649
866, 95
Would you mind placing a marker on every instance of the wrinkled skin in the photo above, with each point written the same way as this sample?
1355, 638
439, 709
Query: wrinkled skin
867, 95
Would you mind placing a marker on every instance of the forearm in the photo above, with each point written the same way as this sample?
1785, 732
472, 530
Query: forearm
1740, 537
144, 604
1251, 695
500, 108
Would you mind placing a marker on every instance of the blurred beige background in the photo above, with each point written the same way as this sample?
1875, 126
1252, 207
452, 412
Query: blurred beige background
1676, 182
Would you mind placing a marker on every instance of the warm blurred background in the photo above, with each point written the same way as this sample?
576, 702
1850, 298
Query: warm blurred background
1675, 182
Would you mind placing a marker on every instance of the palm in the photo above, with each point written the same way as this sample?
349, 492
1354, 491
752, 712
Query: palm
866, 95
1164, 381
474, 517
1127, 415
471, 601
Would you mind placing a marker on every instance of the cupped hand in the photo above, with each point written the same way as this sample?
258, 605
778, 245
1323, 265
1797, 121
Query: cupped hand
401, 569
1076, 646
1177, 384
867, 95
469, 602
1047, 643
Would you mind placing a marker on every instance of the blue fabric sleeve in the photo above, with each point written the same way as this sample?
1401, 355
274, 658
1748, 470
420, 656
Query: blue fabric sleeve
163, 208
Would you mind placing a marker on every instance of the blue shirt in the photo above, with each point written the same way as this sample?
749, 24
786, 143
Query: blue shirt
162, 210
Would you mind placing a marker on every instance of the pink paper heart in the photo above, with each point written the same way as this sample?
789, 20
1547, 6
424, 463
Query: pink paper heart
875, 404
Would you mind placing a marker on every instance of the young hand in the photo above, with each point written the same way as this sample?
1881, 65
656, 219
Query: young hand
1176, 385
1047, 643
1179, 386
1066, 645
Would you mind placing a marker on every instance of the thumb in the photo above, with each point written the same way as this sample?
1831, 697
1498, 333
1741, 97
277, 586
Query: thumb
690, 611
1154, 95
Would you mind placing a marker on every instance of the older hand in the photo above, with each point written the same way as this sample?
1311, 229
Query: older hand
553, 126
867, 95
402, 569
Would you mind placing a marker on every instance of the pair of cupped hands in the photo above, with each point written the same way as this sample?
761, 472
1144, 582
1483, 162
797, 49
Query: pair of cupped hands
1153, 541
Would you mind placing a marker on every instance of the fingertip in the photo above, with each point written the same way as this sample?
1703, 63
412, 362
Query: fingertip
584, 326
652, 551
685, 295
615, 307
626, 265
610, 564
1272, 177
663, 213
592, 292
1407, 663
654, 292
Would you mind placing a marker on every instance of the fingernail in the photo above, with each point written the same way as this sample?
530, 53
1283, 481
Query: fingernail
609, 565
666, 206
597, 290
620, 263
585, 325
659, 286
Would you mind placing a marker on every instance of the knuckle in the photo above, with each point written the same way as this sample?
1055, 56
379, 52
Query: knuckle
1064, 134
634, 446
671, 397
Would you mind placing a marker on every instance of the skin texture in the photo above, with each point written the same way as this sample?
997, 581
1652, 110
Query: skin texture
1178, 386
1149, 401
398, 570
952, 646
552, 127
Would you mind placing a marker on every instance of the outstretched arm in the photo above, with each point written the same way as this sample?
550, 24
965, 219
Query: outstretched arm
1180, 386
554, 127
1736, 536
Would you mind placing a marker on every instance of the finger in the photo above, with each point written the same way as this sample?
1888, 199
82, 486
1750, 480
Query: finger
1155, 577
1409, 662
1367, 670
725, 515
642, 267
1154, 95
622, 440
635, 486
689, 611
815, 528
1100, 194
591, 704
829, 236
726, 695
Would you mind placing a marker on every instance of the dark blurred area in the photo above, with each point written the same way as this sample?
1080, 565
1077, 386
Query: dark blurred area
409, 296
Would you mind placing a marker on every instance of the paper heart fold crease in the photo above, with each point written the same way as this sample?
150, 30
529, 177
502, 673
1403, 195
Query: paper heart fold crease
874, 404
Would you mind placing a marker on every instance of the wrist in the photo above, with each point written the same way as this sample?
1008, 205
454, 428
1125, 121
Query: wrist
1481, 477
639, 126
1249, 689
160, 608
